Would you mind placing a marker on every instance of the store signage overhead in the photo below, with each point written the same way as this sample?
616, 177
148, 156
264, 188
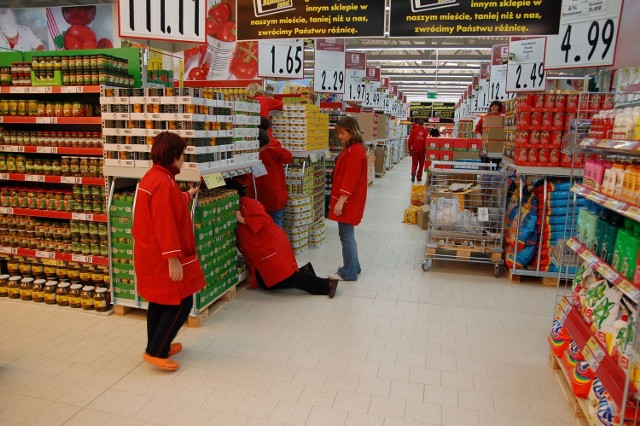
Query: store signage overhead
420, 110
443, 111
588, 35
281, 58
329, 66
356, 73
525, 69
168, 20
464, 18
267, 19
373, 96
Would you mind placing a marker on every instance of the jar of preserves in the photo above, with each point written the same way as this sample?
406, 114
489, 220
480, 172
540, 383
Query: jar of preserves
25, 269
85, 276
101, 300
75, 295
4, 285
33, 108
74, 166
38, 290
61, 272
86, 299
84, 166
65, 166
62, 294
26, 288
13, 287
50, 288
37, 269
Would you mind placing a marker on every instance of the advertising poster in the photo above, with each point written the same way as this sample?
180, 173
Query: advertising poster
57, 28
266, 19
464, 18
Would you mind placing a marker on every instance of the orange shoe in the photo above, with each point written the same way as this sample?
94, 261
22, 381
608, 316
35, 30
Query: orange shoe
162, 363
175, 348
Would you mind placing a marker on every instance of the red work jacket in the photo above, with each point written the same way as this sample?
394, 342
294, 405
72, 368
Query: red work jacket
272, 187
417, 141
268, 104
350, 179
162, 229
264, 245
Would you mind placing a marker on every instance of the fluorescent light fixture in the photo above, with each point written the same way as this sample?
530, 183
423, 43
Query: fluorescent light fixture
439, 69
419, 48
417, 59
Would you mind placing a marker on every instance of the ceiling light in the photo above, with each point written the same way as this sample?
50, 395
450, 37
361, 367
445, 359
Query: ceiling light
419, 48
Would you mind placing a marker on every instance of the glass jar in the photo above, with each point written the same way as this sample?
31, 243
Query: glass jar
62, 294
50, 288
4, 284
13, 288
38, 290
86, 299
101, 300
26, 288
75, 295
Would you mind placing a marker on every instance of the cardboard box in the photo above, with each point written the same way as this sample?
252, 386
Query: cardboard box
422, 217
468, 199
494, 146
493, 134
474, 144
466, 155
446, 155
491, 120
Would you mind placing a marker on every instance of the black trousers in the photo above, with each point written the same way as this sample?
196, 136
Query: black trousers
300, 280
163, 324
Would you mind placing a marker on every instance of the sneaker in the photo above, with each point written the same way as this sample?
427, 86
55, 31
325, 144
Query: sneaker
335, 277
162, 363
333, 286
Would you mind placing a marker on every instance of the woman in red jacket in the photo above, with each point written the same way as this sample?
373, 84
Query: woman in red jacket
268, 252
168, 271
349, 194
272, 187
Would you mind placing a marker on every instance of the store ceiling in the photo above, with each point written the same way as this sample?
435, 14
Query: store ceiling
416, 65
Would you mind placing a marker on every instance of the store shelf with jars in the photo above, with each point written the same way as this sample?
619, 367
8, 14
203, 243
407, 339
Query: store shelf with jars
595, 330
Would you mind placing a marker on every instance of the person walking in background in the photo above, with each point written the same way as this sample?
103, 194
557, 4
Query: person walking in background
166, 263
417, 146
271, 186
268, 252
349, 195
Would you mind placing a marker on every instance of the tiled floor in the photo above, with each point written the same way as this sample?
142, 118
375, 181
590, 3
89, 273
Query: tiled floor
453, 346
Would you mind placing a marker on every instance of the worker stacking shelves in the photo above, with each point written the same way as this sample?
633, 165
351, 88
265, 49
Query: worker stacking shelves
215, 225
301, 127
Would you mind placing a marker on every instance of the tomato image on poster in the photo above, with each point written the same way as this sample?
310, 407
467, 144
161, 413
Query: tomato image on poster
222, 57
80, 27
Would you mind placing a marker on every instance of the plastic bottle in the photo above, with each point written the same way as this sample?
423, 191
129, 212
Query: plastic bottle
608, 242
603, 223
631, 135
608, 123
618, 169
591, 225
625, 125
636, 134
588, 180
625, 256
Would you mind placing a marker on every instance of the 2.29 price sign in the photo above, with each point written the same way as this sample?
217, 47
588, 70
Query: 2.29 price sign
281, 58
171, 20
329, 69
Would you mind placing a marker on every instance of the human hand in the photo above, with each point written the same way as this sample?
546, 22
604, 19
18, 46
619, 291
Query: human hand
193, 191
175, 269
239, 217
337, 209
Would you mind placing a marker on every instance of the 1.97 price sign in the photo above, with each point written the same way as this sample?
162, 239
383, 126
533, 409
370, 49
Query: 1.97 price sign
329, 66
587, 36
355, 77
281, 58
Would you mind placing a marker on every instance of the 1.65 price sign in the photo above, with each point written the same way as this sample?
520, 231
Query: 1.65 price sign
281, 58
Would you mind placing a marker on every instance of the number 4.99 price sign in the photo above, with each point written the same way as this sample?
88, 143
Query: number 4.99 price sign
281, 58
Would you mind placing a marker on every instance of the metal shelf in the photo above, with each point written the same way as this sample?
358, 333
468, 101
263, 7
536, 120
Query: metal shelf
15, 90
77, 180
621, 207
548, 171
48, 214
316, 152
187, 175
9, 119
51, 150
623, 146
67, 257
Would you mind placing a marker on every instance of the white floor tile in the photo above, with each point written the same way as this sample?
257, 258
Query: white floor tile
400, 346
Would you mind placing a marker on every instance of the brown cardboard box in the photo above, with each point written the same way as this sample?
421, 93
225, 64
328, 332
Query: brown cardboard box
469, 199
422, 218
493, 133
381, 157
494, 146
491, 120
466, 155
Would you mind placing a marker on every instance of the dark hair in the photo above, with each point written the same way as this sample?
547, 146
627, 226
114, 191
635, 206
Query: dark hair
350, 125
420, 122
265, 123
498, 103
263, 137
434, 133
236, 186
167, 148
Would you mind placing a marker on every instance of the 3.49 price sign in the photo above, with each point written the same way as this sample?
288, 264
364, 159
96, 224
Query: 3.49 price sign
588, 35
281, 58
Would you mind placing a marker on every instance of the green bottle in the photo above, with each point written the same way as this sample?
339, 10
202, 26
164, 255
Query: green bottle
625, 255
608, 243
603, 224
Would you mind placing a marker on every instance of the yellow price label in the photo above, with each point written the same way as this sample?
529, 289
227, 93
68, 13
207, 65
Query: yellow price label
181, 73
214, 180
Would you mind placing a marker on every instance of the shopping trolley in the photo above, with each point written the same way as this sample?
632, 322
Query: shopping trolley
466, 213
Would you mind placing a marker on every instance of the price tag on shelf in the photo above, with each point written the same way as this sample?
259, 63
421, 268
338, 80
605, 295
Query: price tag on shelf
71, 89
46, 150
46, 120
483, 214
595, 348
20, 90
4, 176
82, 216
329, 65
281, 58
608, 273
214, 180
8, 250
355, 77
81, 258
34, 178
71, 179
47, 89
45, 254
587, 37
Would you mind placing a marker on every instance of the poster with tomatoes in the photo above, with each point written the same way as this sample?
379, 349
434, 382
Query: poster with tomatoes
222, 57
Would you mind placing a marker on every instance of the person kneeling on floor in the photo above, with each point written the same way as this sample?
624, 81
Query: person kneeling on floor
268, 253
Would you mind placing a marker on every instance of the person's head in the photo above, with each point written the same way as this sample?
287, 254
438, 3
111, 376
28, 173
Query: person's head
421, 122
348, 130
168, 150
8, 24
434, 132
495, 107
265, 123
254, 89
240, 188
263, 138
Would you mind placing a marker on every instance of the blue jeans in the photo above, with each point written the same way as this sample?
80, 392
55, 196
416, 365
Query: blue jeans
351, 265
278, 217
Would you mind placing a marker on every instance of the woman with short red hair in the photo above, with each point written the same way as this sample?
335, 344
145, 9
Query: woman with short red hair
168, 271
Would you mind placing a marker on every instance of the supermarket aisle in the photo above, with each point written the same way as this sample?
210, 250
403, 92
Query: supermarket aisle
453, 346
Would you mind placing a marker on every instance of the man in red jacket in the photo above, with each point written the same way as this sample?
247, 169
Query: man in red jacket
417, 146
272, 187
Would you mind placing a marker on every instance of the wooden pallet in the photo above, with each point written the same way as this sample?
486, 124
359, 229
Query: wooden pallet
217, 305
578, 407
545, 281
464, 252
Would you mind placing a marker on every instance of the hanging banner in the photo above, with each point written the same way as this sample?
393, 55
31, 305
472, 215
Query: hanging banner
444, 111
461, 18
420, 110
281, 58
329, 66
525, 69
266, 19
588, 35
355, 73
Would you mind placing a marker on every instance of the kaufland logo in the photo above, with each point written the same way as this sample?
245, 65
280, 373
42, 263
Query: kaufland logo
355, 58
372, 72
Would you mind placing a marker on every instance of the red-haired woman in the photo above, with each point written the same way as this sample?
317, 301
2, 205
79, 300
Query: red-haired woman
168, 271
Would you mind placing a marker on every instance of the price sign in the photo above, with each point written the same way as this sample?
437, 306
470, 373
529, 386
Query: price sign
372, 95
34, 178
171, 20
47, 150
45, 254
47, 120
588, 34
498, 84
481, 100
70, 179
81, 258
355, 77
281, 58
214, 180
526, 77
71, 89
329, 66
